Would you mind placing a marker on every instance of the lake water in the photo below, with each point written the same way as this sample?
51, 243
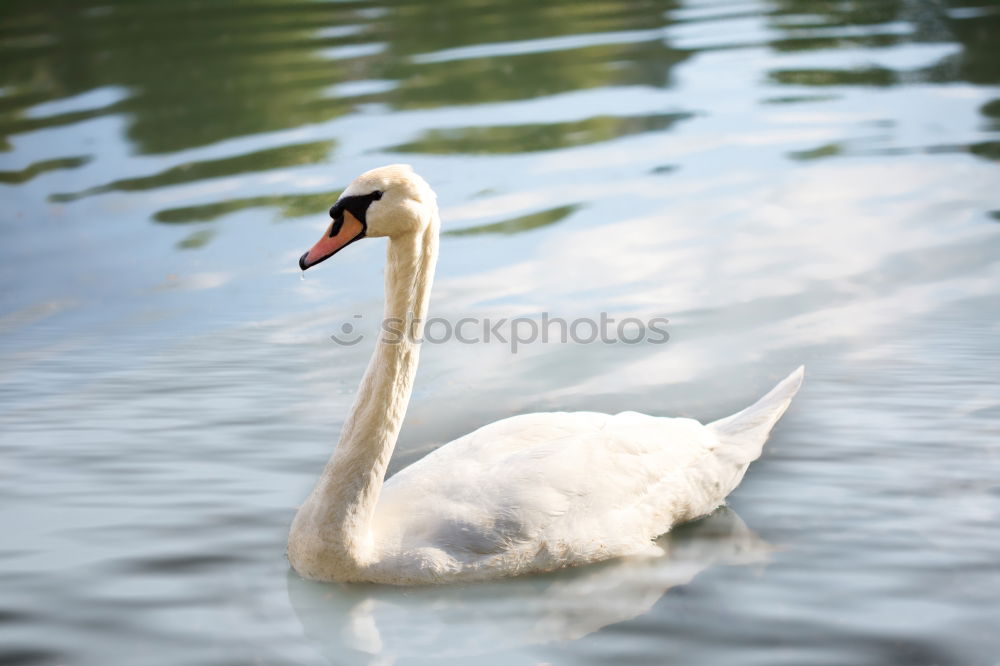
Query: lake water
790, 181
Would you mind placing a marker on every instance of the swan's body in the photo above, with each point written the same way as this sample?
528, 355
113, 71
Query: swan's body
525, 494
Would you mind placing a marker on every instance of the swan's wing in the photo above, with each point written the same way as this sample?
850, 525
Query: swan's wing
552, 481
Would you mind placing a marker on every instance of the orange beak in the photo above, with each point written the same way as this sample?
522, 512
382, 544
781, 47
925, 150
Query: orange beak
341, 233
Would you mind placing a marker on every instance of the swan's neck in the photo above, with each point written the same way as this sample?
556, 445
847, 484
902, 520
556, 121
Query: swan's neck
337, 516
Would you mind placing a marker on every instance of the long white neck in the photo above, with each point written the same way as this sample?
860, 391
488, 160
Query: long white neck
333, 527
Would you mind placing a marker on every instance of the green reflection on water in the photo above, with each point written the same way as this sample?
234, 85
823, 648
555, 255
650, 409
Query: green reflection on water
900, 21
986, 149
197, 73
536, 137
24, 175
826, 150
514, 77
184, 74
518, 224
289, 205
869, 76
196, 239
989, 150
798, 99
821, 14
261, 160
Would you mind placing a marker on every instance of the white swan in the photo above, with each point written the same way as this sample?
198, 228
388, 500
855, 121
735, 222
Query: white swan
526, 494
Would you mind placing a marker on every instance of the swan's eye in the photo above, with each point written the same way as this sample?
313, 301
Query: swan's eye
376, 195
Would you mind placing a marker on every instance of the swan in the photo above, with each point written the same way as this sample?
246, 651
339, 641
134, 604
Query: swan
526, 494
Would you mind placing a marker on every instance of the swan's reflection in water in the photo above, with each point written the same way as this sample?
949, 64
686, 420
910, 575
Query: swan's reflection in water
476, 619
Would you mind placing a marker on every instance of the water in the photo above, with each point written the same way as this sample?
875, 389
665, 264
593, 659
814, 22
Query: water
787, 182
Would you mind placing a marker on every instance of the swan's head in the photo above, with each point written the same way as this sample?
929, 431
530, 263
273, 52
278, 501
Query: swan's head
389, 201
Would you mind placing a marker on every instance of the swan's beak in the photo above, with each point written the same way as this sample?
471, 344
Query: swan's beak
341, 233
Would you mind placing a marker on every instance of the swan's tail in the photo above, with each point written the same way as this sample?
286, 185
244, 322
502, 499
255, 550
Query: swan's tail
743, 434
